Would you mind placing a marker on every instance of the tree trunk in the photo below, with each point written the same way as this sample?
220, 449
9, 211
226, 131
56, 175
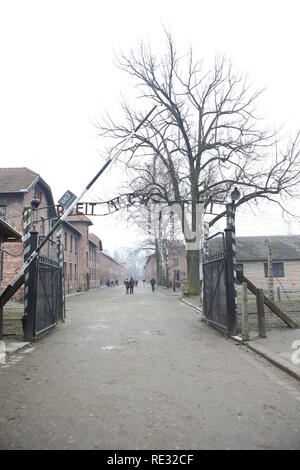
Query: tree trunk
193, 260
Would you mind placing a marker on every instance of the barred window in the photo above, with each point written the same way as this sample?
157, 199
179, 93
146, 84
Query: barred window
278, 269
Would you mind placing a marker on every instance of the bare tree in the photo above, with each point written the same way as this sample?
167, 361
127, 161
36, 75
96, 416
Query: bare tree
205, 137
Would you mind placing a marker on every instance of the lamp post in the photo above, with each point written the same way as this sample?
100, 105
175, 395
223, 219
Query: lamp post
230, 208
231, 261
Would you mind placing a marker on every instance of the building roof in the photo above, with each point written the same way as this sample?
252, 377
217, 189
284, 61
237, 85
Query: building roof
71, 227
79, 218
284, 247
16, 179
8, 234
95, 240
21, 180
111, 259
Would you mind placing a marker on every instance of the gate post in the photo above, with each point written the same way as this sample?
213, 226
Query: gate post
231, 280
30, 291
61, 280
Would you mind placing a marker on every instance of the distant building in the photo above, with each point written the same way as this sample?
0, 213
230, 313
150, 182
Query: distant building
252, 259
85, 266
176, 264
111, 270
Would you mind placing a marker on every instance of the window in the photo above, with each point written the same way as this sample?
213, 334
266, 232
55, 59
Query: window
2, 212
176, 262
278, 269
65, 270
176, 275
66, 240
71, 243
42, 226
38, 193
70, 272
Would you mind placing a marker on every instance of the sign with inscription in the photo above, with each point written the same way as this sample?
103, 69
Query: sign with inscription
67, 199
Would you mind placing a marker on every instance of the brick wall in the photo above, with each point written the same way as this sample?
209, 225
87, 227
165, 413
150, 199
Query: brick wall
177, 265
111, 269
71, 241
13, 257
81, 224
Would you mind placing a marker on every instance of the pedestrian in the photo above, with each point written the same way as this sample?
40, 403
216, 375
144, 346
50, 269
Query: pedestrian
131, 284
108, 283
144, 281
152, 282
126, 282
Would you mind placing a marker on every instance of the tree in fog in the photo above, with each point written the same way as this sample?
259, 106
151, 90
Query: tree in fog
204, 138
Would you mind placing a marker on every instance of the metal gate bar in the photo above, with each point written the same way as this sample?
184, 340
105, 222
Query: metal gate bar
49, 302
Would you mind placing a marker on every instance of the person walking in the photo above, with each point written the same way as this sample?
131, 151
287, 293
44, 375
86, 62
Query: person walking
152, 282
131, 284
126, 282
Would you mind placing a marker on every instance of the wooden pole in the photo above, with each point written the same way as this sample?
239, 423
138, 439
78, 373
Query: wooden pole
245, 318
260, 313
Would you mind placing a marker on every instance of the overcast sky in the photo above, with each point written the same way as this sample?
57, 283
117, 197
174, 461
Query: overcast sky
58, 75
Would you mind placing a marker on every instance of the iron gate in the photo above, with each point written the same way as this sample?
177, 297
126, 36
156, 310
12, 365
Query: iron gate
49, 295
219, 296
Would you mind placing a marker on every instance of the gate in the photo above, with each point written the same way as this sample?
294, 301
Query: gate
219, 293
44, 291
49, 305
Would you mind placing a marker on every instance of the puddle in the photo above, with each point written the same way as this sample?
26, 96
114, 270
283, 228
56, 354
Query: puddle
153, 332
108, 348
98, 326
2, 359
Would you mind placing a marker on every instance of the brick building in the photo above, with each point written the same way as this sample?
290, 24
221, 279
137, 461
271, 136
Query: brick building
111, 269
176, 264
85, 266
81, 272
95, 248
71, 245
18, 186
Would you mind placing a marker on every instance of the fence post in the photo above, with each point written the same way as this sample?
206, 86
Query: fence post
245, 318
260, 313
30, 291
278, 294
270, 272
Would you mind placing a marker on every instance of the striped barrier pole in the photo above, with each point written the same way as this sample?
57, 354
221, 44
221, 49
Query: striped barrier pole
26, 239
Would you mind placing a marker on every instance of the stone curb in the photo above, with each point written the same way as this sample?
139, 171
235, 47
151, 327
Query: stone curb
268, 355
271, 357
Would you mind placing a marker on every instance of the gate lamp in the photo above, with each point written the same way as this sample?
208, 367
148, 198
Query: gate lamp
35, 202
235, 195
